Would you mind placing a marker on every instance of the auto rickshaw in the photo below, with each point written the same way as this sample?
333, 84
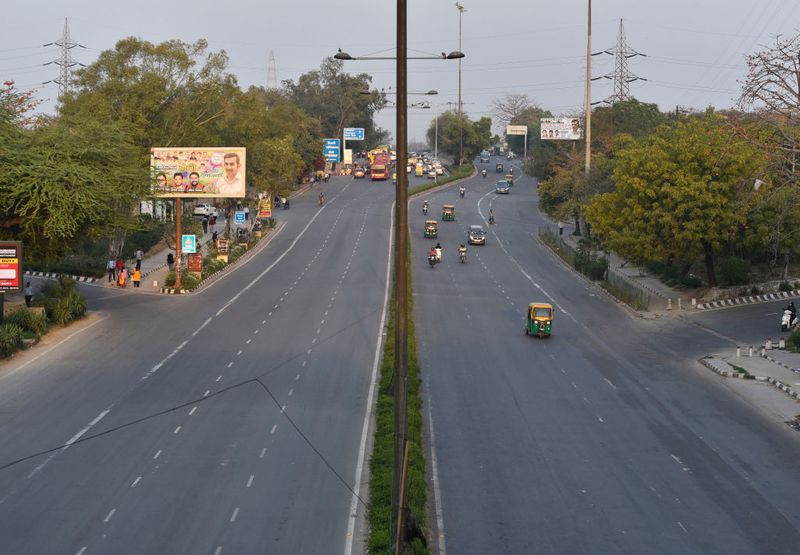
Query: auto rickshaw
499, 167
448, 213
510, 179
431, 229
539, 320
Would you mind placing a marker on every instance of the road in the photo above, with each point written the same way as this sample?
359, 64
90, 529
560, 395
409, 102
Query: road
230, 421
607, 437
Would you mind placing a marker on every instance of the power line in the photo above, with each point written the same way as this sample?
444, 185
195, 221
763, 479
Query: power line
66, 62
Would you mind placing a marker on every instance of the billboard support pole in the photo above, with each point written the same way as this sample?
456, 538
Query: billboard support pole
525, 153
2, 302
178, 210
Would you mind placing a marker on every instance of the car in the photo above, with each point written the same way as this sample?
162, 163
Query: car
359, 173
439, 170
476, 235
204, 209
502, 187
432, 174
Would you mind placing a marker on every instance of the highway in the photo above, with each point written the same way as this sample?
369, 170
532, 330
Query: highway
608, 437
229, 421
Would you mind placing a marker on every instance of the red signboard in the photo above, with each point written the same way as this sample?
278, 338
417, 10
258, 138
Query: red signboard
10, 266
195, 263
265, 208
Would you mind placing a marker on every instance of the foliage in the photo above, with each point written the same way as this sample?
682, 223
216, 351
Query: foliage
680, 193
10, 339
28, 320
16, 106
734, 271
61, 300
793, 341
588, 263
785, 286
531, 116
453, 173
477, 135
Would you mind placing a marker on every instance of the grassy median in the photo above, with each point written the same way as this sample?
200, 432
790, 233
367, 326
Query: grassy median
454, 172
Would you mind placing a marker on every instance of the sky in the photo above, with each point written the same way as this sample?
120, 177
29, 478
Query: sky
695, 49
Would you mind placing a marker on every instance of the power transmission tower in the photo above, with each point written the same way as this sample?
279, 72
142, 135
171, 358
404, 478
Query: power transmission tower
621, 76
272, 72
66, 62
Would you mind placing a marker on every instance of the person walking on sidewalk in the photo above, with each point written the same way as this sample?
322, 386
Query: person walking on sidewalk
28, 294
136, 277
112, 270
139, 256
205, 224
119, 265
246, 213
171, 262
123, 277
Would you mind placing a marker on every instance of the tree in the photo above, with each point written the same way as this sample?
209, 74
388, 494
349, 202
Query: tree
630, 117
680, 193
477, 135
16, 106
510, 107
531, 117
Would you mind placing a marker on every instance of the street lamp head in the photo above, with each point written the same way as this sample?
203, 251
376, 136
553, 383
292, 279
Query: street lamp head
432, 92
343, 55
461, 8
454, 55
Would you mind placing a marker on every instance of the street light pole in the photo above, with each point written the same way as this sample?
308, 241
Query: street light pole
401, 287
461, 10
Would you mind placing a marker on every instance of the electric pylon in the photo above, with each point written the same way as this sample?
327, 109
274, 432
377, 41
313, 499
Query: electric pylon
272, 72
66, 62
621, 75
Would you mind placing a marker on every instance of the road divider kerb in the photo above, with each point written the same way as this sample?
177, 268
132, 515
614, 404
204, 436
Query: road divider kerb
724, 369
749, 299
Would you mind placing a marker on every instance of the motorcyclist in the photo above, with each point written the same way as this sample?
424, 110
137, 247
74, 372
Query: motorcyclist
425, 207
791, 308
461, 191
483, 173
491, 216
432, 254
462, 252
321, 198
438, 250
511, 170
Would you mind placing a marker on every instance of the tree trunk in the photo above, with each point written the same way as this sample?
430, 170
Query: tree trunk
711, 275
577, 223
786, 266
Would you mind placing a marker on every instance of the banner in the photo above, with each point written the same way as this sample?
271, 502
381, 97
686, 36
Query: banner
195, 263
212, 172
561, 129
10, 266
265, 208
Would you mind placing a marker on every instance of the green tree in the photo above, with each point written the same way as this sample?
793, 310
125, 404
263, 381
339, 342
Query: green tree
477, 135
680, 193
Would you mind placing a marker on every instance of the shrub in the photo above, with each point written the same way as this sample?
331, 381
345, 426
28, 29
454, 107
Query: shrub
734, 271
590, 264
28, 320
70, 306
10, 339
189, 281
755, 290
793, 341
169, 281
691, 281
785, 286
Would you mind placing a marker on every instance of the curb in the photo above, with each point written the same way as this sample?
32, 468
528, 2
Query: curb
779, 363
56, 275
709, 363
752, 299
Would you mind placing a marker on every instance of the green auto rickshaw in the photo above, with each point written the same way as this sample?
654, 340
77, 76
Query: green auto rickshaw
448, 213
499, 167
539, 320
431, 229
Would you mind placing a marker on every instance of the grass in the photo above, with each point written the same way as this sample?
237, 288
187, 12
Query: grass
380, 502
739, 369
455, 172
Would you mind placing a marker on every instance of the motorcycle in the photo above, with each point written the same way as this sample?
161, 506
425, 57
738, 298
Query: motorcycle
321, 199
462, 255
425, 209
432, 260
461, 191
787, 321
491, 218
483, 173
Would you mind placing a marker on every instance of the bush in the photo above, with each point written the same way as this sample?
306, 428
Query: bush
590, 264
691, 281
189, 281
734, 271
169, 281
234, 253
785, 286
70, 306
10, 339
28, 320
793, 341
755, 290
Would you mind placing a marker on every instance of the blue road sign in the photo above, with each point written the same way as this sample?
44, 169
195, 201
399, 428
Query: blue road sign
189, 244
331, 149
353, 133
238, 217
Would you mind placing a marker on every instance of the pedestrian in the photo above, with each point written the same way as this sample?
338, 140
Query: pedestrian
112, 269
171, 262
136, 278
560, 228
205, 225
246, 213
119, 265
214, 237
28, 294
123, 277
212, 221
139, 256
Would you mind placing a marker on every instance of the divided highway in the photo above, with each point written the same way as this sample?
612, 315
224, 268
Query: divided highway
229, 421
607, 437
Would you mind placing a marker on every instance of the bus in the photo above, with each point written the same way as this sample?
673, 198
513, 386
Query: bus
378, 172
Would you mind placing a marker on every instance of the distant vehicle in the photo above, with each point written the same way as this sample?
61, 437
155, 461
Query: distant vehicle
476, 235
419, 170
439, 170
378, 172
359, 173
204, 210
502, 187
393, 156
485, 157
432, 174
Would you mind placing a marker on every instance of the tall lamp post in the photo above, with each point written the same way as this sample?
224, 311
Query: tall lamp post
400, 383
461, 10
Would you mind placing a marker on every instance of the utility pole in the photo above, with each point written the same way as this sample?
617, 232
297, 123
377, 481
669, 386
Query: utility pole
588, 162
461, 10
66, 62
400, 385
621, 76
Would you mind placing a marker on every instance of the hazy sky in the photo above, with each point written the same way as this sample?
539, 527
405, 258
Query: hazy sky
695, 48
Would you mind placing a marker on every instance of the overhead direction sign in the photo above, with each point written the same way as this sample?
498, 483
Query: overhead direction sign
353, 133
189, 244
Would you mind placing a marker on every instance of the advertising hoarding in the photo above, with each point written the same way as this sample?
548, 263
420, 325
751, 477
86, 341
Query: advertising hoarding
10, 266
265, 208
197, 172
561, 129
195, 263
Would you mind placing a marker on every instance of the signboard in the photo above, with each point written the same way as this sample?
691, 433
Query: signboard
238, 217
348, 156
331, 149
195, 263
10, 265
188, 244
561, 129
517, 130
265, 208
353, 133
210, 172
222, 250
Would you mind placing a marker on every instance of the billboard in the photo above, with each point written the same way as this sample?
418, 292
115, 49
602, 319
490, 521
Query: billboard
211, 172
10, 266
561, 129
265, 208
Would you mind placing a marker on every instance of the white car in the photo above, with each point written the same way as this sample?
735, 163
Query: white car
432, 174
439, 170
204, 210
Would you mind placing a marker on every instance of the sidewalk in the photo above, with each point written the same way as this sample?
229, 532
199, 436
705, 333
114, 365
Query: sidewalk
778, 367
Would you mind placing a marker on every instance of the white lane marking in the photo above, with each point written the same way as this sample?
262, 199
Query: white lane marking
326, 313
136, 481
156, 368
230, 364
218, 551
297, 377
158, 454
250, 480
680, 462
239, 353
263, 452
235, 514
274, 427
43, 353
683, 527
191, 412
350, 537
609, 383
248, 341
319, 330
283, 409
82, 551
109, 515
206, 393
290, 392
270, 314
178, 429
255, 331
308, 352
304, 364
218, 378
313, 340
600, 419
263, 322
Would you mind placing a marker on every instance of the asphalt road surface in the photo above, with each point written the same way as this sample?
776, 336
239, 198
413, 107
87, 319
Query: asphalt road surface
608, 437
230, 421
